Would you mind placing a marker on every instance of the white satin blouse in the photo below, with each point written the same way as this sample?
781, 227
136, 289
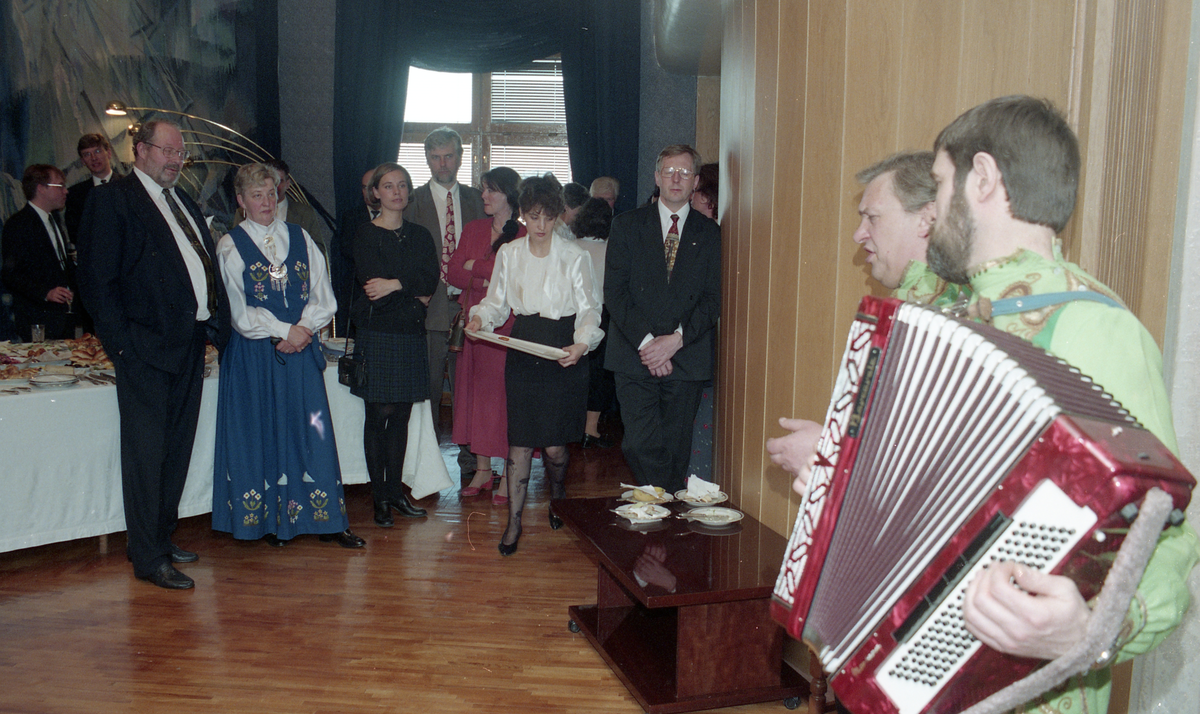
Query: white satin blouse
563, 283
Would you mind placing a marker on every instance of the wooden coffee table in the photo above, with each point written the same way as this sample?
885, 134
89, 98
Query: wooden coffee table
681, 613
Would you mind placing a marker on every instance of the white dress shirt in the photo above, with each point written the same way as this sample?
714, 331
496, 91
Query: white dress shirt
256, 323
60, 250
194, 267
563, 283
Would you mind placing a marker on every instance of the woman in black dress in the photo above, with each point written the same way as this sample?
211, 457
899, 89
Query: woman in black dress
548, 283
396, 267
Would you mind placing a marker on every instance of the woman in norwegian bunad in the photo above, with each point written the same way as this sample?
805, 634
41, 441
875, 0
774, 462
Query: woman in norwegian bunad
276, 470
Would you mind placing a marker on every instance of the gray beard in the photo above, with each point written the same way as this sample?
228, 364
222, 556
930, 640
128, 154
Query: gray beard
951, 242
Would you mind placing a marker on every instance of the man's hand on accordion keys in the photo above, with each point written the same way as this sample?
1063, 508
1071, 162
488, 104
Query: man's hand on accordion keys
796, 452
1025, 612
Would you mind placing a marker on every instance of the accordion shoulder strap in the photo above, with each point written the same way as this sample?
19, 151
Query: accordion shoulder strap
987, 309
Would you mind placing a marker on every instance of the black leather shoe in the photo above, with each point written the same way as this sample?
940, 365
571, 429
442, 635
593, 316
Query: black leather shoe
274, 541
179, 555
598, 442
405, 508
166, 576
346, 539
383, 515
555, 521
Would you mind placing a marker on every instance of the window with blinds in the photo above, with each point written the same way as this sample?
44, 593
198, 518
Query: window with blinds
517, 119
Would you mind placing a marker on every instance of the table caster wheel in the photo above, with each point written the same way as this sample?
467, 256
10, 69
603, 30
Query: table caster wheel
574, 627
792, 702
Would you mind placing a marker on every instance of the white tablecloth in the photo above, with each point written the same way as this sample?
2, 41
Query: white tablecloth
60, 460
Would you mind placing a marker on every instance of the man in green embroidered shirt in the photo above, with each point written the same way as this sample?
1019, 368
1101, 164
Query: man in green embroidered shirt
1007, 173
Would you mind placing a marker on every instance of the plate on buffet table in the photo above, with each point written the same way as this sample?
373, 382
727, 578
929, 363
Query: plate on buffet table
53, 381
643, 497
641, 512
710, 500
713, 516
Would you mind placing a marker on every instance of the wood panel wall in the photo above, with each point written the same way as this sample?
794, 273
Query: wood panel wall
813, 91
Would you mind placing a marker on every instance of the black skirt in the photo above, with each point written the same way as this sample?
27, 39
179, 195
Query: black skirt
547, 403
397, 367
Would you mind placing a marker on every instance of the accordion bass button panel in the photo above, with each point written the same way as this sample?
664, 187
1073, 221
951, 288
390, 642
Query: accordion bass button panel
1044, 530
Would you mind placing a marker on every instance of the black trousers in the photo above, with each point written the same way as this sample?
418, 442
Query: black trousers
657, 415
159, 411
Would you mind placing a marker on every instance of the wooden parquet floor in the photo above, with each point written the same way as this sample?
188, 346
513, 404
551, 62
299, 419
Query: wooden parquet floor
428, 618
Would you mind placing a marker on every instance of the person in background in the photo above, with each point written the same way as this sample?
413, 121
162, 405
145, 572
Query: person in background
341, 253
38, 268
96, 153
396, 266
662, 286
276, 473
704, 198
574, 196
607, 188
548, 283
480, 406
591, 224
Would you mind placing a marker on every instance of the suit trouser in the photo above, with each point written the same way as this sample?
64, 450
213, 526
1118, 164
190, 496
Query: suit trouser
159, 411
658, 415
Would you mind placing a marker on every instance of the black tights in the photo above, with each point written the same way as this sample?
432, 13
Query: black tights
385, 437
520, 459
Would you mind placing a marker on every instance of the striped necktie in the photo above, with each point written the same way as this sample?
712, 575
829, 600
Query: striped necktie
671, 245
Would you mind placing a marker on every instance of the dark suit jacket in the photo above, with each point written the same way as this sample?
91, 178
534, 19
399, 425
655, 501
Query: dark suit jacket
31, 269
76, 199
134, 281
422, 211
641, 301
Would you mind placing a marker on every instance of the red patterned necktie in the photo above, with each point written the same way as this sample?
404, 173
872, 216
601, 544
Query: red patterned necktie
449, 240
671, 245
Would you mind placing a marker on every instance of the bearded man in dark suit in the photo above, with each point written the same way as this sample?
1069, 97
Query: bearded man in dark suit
149, 279
664, 301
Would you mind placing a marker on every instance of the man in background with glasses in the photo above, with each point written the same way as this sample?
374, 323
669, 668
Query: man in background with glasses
38, 270
148, 276
662, 288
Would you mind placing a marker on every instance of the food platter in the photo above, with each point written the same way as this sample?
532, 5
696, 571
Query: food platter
663, 496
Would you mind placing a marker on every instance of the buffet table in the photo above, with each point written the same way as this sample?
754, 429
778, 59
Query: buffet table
60, 460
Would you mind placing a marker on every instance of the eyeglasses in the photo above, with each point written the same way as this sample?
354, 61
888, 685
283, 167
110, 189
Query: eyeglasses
55, 185
169, 152
671, 172
89, 153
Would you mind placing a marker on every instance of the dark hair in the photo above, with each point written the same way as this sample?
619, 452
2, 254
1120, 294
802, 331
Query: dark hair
710, 178
38, 175
912, 177
593, 219
541, 192
575, 195
144, 133
508, 182
281, 166
1034, 148
383, 170
89, 141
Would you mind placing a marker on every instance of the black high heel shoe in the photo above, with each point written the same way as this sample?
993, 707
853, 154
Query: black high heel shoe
383, 515
509, 549
555, 521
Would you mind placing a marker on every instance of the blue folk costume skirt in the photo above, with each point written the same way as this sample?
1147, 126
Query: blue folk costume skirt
276, 465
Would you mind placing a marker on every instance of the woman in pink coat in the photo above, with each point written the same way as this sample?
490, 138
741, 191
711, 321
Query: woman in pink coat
480, 406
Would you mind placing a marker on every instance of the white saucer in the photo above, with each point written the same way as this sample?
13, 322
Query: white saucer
714, 516
718, 497
663, 497
641, 512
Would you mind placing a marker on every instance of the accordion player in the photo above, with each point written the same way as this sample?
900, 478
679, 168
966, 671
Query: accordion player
949, 445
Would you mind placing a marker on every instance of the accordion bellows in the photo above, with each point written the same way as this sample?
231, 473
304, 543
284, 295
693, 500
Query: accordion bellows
948, 445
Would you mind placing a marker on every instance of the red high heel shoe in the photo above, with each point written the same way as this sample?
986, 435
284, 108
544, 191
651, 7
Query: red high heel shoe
471, 491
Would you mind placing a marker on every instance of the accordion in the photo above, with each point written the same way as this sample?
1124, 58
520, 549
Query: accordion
949, 445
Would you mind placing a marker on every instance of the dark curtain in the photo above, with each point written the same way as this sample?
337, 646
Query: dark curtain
601, 58
264, 24
377, 41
